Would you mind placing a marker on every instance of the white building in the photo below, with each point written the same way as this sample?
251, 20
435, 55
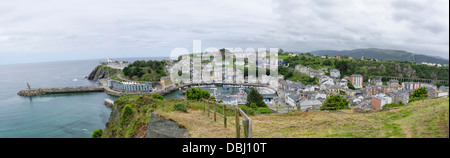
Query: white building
292, 99
335, 73
310, 104
325, 82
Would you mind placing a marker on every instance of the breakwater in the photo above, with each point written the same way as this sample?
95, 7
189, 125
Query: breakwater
42, 91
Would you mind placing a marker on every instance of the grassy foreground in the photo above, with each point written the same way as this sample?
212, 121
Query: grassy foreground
421, 119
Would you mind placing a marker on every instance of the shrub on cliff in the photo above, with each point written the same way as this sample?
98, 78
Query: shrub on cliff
127, 111
97, 133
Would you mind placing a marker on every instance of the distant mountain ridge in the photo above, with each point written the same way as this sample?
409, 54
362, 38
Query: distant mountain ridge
384, 55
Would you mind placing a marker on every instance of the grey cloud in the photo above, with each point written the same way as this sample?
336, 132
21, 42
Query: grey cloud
92, 29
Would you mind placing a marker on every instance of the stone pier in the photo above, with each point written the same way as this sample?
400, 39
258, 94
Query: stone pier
42, 91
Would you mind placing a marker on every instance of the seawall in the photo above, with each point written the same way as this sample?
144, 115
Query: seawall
42, 91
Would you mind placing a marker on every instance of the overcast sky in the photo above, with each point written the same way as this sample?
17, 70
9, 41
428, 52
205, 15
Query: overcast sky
49, 30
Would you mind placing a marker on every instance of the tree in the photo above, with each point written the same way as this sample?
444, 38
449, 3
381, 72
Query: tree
280, 51
326, 62
197, 94
335, 102
256, 98
419, 94
350, 86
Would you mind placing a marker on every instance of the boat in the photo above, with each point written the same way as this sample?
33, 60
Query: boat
225, 88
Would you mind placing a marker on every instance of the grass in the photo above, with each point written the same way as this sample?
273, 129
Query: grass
427, 118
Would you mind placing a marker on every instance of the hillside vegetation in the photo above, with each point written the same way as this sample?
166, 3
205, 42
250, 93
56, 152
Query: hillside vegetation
383, 54
371, 68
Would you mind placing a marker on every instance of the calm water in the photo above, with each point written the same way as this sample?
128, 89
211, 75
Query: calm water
74, 115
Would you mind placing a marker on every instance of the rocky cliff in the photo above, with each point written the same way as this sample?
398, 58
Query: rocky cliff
101, 72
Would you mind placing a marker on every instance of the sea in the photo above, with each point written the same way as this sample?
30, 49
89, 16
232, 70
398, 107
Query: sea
71, 115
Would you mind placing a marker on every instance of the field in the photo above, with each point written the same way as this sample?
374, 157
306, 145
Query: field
421, 119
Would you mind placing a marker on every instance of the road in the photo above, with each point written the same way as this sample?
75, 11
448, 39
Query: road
119, 75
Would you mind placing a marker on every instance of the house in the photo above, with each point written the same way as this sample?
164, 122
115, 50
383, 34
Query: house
376, 82
292, 100
166, 82
309, 88
443, 88
130, 86
290, 85
335, 73
324, 82
432, 93
364, 105
343, 83
393, 83
356, 80
352, 93
429, 85
400, 95
411, 85
309, 104
333, 88
298, 67
379, 100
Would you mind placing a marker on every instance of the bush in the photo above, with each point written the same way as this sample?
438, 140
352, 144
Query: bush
197, 94
262, 110
127, 111
97, 133
418, 94
253, 105
180, 107
157, 96
335, 102
247, 110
